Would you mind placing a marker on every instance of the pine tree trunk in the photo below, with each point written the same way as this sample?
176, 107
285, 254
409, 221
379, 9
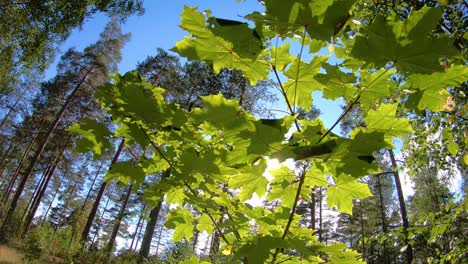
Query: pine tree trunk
363, 235
312, 209
62, 214
52, 201
138, 226
9, 112
4, 157
401, 200
92, 214
100, 221
158, 243
6, 197
320, 215
149, 231
38, 199
118, 220
91, 187
38, 188
382, 209
42, 146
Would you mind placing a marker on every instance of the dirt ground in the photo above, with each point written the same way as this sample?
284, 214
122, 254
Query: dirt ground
9, 256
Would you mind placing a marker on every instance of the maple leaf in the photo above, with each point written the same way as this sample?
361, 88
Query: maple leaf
222, 43
406, 44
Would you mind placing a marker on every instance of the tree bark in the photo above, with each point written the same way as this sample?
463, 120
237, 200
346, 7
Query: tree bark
38, 199
312, 209
52, 201
43, 145
401, 200
9, 112
320, 216
91, 187
149, 230
118, 220
18, 169
100, 220
92, 214
38, 188
138, 225
4, 157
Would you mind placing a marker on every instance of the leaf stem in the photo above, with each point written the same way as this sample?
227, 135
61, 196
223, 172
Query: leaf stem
209, 215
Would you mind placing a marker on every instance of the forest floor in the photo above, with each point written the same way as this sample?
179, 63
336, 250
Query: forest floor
9, 256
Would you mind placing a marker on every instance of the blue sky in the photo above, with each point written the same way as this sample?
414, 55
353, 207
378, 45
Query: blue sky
159, 28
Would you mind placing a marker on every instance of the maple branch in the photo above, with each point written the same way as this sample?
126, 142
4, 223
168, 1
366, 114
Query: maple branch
299, 56
291, 111
209, 215
293, 211
157, 148
349, 107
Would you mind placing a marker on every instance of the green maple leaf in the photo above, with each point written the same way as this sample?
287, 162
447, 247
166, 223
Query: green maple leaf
315, 176
354, 156
321, 19
125, 172
257, 250
132, 98
429, 91
223, 43
250, 180
280, 57
346, 188
339, 253
94, 137
176, 196
302, 81
383, 120
205, 224
181, 220
222, 114
282, 186
336, 83
133, 134
406, 44
376, 86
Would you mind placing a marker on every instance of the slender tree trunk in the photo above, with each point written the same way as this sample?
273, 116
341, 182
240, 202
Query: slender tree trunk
52, 201
214, 249
38, 199
158, 243
138, 225
92, 214
139, 235
312, 209
382, 214
118, 220
38, 188
9, 112
100, 220
91, 187
195, 240
320, 215
363, 236
62, 214
3, 160
382, 209
43, 145
401, 200
18, 169
149, 230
